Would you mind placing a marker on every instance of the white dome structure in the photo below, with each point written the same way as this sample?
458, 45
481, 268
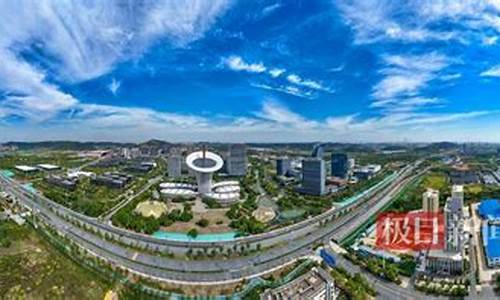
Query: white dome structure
204, 164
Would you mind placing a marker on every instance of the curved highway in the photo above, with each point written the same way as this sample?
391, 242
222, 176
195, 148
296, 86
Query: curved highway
296, 241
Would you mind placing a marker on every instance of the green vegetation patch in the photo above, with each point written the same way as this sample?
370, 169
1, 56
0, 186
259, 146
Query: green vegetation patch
129, 219
356, 286
31, 269
87, 198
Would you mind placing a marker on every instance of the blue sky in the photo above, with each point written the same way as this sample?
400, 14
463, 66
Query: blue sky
254, 71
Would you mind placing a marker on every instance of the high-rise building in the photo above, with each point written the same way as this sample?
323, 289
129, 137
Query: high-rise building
430, 201
454, 224
451, 259
313, 176
236, 161
174, 166
351, 163
340, 165
457, 198
283, 165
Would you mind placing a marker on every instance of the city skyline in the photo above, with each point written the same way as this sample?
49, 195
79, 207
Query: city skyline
259, 71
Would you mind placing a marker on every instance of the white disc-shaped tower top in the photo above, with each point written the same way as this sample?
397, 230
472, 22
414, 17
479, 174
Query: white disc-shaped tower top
204, 162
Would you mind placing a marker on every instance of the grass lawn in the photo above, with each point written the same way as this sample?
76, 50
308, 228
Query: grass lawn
474, 189
32, 269
437, 181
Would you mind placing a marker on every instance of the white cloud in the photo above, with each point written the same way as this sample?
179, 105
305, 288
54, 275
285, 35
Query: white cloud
450, 76
89, 38
236, 63
107, 116
375, 20
114, 86
406, 104
491, 40
275, 72
290, 90
492, 72
407, 75
416, 21
29, 94
272, 111
315, 85
266, 11
83, 40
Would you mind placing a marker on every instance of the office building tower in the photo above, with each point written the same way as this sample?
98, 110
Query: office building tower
283, 165
174, 167
313, 176
340, 165
430, 201
236, 161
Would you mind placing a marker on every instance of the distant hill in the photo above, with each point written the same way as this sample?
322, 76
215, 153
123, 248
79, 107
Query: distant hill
440, 146
155, 143
66, 145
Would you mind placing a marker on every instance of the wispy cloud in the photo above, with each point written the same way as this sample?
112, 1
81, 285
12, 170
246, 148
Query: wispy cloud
375, 20
275, 72
406, 104
315, 85
448, 77
270, 9
276, 113
492, 72
407, 75
76, 49
236, 63
491, 40
114, 86
290, 90
296, 84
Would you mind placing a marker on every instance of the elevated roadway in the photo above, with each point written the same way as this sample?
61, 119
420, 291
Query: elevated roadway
296, 240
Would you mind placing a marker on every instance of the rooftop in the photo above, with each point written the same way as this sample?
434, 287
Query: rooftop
489, 209
491, 240
48, 166
306, 286
25, 168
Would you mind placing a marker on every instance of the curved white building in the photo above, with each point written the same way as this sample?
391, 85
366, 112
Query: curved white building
204, 164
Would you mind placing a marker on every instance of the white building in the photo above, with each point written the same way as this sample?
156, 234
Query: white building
450, 260
203, 164
430, 201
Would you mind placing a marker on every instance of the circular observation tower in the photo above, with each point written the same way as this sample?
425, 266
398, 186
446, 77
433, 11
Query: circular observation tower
204, 164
